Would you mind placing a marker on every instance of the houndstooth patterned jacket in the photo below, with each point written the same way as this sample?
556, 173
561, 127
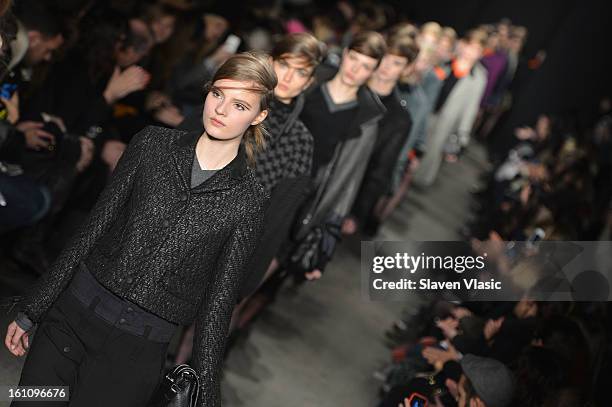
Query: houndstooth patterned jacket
288, 152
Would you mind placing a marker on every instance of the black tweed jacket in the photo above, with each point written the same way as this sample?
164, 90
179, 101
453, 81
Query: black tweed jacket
177, 251
283, 168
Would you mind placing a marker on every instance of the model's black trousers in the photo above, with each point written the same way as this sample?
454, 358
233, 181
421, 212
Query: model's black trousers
102, 364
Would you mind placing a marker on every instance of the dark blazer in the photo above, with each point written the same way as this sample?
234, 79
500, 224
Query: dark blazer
392, 133
283, 168
177, 251
339, 193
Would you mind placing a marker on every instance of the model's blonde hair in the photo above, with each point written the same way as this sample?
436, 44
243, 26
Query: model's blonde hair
252, 67
403, 45
450, 33
404, 28
431, 28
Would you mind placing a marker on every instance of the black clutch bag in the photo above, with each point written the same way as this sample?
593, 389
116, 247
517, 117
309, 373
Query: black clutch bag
179, 388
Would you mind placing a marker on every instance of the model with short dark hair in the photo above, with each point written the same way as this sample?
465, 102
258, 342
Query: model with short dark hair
166, 244
392, 134
343, 116
295, 58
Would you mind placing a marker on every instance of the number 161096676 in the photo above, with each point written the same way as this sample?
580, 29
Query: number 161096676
34, 393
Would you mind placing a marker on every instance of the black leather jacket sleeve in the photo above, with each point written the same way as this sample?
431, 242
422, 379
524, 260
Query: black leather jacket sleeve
116, 193
215, 312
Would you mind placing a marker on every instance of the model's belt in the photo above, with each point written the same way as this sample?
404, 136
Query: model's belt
117, 311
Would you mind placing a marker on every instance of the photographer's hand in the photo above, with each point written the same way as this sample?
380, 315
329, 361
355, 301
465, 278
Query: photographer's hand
35, 137
492, 327
449, 327
438, 357
58, 121
87, 150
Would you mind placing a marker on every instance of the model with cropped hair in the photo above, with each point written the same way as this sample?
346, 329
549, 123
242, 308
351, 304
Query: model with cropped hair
393, 132
343, 116
167, 244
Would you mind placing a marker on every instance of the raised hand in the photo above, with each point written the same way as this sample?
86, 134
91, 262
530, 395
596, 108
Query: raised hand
123, 83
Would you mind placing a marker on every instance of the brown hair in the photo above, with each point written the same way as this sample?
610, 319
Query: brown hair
370, 43
477, 35
403, 29
403, 46
300, 45
4, 6
432, 28
371, 16
250, 67
449, 32
153, 12
517, 31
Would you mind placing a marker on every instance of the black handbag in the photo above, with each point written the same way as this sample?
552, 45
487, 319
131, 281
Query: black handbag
179, 388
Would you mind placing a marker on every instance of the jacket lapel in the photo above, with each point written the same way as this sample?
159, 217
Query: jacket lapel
183, 154
370, 110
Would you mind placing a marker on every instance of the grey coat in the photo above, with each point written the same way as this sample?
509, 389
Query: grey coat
353, 155
453, 122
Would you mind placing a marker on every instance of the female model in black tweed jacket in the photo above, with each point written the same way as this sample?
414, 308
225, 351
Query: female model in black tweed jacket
171, 252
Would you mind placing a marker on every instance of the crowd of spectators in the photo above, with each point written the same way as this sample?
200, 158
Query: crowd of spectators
527, 353
80, 78
555, 179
